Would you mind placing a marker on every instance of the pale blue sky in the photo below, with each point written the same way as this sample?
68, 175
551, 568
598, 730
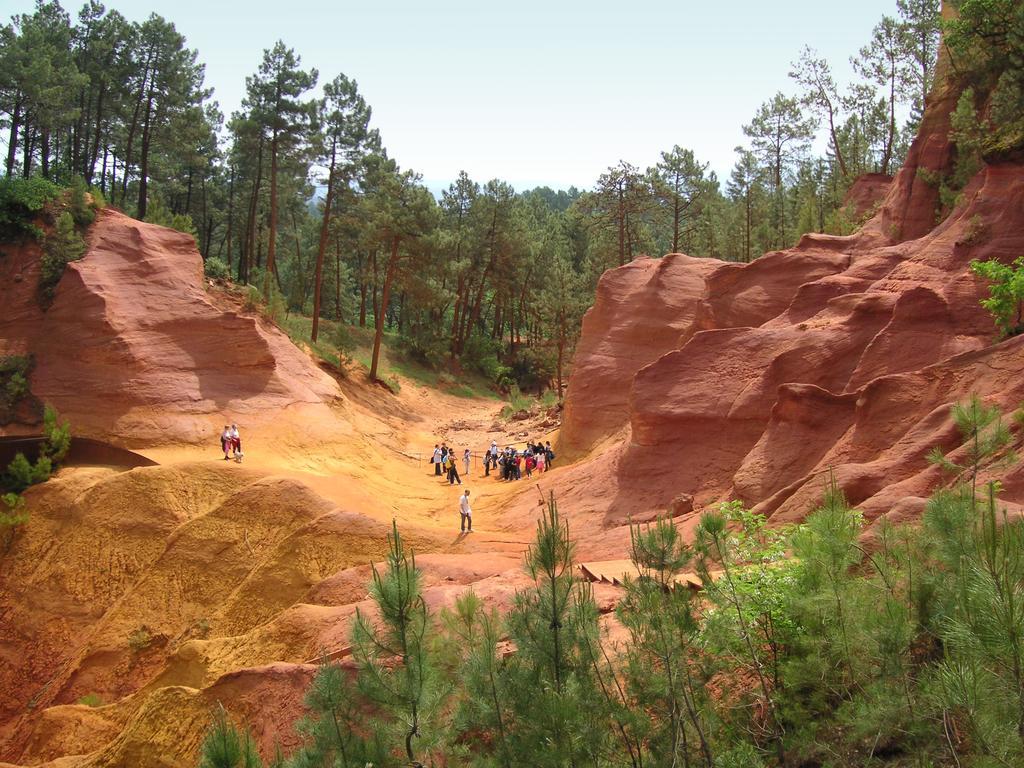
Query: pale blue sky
531, 92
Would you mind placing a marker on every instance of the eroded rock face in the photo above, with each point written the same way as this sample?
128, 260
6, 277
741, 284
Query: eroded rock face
866, 193
134, 350
842, 355
639, 314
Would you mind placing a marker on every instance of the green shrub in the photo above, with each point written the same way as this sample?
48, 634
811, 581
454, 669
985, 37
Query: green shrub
57, 435
78, 203
22, 473
253, 299
531, 369
21, 200
158, 213
226, 746
392, 383
99, 200
14, 373
344, 340
1006, 293
425, 347
140, 639
968, 134
276, 310
216, 268
480, 354
12, 516
16, 387
62, 246
90, 700
517, 402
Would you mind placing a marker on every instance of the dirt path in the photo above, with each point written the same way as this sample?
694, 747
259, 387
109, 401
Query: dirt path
384, 471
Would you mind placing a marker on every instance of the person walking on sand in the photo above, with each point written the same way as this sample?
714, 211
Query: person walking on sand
436, 459
225, 442
453, 469
465, 513
541, 461
465, 461
236, 442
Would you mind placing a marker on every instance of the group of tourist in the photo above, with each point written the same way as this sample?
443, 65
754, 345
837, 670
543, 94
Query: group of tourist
512, 464
509, 463
446, 463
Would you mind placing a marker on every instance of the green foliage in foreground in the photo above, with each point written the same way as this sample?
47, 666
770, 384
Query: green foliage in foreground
22, 473
1006, 293
227, 747
810, 645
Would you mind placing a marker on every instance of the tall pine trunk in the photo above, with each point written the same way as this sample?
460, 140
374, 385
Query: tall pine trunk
325, 226
389, 276
144, 160
231, 214
271, 271
12, 141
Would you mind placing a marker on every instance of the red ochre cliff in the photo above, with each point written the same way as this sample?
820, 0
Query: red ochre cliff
134, 349
711, 380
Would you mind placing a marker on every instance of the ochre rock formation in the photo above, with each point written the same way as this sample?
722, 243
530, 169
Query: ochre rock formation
865, 194
136, 351
842, 355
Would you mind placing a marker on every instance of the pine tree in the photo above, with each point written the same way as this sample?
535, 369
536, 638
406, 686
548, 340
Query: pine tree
225, 746
779, 134
680, 186
884, 62
397, 673
749, 594
346, 134
482, 717
661, 664
557, 717
274, 100
335, 729
981, 549
402, 213
821, 94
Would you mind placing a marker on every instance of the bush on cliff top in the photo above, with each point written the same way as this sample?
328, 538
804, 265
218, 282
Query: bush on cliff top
21, 201
62, 246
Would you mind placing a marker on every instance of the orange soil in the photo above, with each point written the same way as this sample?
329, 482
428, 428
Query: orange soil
229, 579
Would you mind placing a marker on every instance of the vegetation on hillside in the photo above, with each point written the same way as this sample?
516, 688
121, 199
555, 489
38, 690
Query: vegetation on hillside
54, 216
820, 644
295, 192
22, 473
1006, 293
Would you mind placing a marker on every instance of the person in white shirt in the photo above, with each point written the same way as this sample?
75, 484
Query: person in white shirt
236, 442
436, 459
465, 460
465, 513
491, 458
